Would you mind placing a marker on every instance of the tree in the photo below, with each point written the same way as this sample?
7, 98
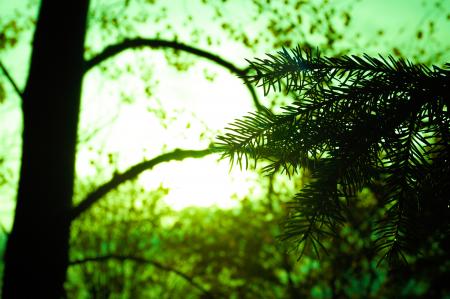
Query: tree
358, 124
153, 251
37, 251
37, 248
44, 209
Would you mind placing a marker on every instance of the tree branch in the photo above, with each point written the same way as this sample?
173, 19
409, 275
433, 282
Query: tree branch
132, 173
11, 80
135, 43
4, 230
142, 261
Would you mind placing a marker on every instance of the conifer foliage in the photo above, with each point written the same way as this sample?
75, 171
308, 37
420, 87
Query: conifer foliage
379, 124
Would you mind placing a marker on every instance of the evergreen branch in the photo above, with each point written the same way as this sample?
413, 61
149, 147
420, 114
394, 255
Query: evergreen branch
131, 173
302, 70
137, 43
362, 120
251, 130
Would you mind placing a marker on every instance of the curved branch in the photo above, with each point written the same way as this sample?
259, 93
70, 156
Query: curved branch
135, 43
11, 80
142, 261
132, 173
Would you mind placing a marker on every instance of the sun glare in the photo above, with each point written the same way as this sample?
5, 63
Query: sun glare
201, 182
183, 110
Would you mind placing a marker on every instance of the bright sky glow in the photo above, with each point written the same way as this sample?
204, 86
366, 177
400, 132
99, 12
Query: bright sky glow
211, 184
193, 106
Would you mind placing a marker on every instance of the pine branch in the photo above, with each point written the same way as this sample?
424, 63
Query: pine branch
361, 120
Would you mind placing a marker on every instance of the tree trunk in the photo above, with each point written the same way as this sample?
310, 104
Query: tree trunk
36, 256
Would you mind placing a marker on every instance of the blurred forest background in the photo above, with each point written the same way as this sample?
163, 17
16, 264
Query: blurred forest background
162, 228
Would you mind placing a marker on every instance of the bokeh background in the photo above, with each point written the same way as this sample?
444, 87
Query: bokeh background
197, 228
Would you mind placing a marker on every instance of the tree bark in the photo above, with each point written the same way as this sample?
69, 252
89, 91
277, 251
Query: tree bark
36, 257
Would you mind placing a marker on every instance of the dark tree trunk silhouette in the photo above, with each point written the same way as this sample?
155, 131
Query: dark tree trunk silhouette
36, 257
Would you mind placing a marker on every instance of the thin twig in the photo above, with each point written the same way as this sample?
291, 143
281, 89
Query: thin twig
11, 80
136, 43
143, 261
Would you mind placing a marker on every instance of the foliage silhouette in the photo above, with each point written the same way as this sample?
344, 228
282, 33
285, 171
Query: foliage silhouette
359, 124
132, 244
41, 208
